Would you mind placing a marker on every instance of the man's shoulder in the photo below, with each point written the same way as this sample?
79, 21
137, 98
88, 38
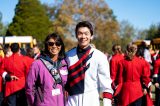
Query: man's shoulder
71, 51
97, 51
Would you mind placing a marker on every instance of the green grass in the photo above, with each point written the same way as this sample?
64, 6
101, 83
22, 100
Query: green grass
101, 102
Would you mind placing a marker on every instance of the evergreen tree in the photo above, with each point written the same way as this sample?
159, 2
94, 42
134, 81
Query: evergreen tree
1, 25
153, 31
30, 19
3, 28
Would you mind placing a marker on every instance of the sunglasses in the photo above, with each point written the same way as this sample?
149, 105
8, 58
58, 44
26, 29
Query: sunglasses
54, 43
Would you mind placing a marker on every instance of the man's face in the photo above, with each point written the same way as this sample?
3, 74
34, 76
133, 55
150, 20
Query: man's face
83, 37
36, 50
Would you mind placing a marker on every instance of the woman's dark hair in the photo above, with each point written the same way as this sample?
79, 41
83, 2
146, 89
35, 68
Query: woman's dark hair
84, 24
57, 38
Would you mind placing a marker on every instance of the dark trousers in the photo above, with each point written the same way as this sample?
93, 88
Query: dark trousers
157, 98
115, 101
138, 102
17, 99
144, 101
11, 100
1, 98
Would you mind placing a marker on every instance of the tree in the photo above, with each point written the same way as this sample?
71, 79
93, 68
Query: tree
67, 13
3, 28
127, 33
142, 34
153, 31
1, 25
30, 19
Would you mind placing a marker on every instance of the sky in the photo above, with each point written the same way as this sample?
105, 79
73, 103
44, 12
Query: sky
139, 13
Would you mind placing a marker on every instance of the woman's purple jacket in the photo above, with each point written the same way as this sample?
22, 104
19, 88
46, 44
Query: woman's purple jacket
45, 94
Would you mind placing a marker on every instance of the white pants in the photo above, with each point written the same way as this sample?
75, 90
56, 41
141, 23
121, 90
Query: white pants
90, 98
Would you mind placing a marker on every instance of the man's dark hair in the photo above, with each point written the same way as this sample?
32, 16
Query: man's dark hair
14, 47
6, 49
84, 24
140, 51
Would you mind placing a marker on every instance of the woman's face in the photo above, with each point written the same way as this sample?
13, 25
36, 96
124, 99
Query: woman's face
54, 47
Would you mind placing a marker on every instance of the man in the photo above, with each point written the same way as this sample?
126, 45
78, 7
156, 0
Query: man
36, 51
14, 70
88, 71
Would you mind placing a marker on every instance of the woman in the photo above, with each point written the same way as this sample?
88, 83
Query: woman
42, 88
133, 71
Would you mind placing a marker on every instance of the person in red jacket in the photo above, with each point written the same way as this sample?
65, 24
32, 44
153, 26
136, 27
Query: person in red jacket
116, 57
146, 99
29, 58
1, 80
1, 85
156, 81
7, 52
14, 70
132, 72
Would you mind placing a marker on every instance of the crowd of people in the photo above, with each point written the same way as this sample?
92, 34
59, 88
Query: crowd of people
53, 77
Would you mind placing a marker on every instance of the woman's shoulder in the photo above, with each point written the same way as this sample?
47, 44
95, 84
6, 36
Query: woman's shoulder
37, 62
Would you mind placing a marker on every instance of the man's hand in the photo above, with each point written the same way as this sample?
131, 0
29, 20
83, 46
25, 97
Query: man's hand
14, 77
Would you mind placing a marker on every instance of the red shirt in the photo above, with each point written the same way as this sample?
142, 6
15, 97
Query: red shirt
131, 73
14, 65
114, 66
1, 81
157, 67
28, 61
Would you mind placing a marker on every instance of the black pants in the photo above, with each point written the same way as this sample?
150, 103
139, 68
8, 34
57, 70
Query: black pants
115, 101
17, 99
138, 102
1, 98
157, 98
